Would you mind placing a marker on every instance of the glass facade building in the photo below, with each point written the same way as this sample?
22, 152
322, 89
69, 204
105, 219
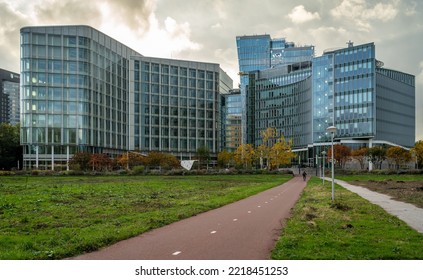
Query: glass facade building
283, 102
9, 97
261, 52
78, 90
231, 120
176, 105
301, 95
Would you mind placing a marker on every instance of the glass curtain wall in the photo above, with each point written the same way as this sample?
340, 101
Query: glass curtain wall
74, 94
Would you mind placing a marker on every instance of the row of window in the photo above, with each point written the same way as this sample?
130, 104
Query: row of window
181, 122
174, 132
165, 69
173, 111
55, 40
174, 101
154, 143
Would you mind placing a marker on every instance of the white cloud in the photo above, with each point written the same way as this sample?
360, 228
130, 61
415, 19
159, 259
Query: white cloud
300, 15
359, 12
155, 38
216, 26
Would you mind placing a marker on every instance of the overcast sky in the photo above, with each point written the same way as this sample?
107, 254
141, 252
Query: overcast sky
205, 30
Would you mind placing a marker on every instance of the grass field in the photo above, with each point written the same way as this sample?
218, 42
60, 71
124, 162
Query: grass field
56, 216
350, 228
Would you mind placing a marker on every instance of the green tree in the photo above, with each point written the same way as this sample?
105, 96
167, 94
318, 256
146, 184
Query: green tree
10, 149
398, 155
377, 155
244, 155
202, 155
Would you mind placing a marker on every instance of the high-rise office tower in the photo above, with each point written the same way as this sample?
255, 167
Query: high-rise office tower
9, 97
261, 52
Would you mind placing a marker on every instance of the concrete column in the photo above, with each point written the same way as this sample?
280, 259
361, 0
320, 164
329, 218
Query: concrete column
52, 157
36, 157
370, 146
67, 158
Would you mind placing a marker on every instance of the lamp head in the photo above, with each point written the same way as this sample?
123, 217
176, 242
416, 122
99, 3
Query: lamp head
331, 129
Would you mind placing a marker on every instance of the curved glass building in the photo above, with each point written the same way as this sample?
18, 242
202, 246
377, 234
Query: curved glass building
83, 91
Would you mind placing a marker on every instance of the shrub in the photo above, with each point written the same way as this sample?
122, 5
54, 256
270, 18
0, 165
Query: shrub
138, 170
7, 173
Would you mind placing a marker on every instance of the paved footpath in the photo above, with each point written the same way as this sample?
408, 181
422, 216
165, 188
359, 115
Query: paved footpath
410, 214
247, 229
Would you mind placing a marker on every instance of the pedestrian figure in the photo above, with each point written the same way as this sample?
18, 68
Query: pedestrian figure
304, 175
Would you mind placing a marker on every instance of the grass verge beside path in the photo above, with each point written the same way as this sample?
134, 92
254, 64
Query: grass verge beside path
58, 217
405, 188
351, 228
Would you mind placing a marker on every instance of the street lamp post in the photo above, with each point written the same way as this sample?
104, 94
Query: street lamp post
332, 131
323, 176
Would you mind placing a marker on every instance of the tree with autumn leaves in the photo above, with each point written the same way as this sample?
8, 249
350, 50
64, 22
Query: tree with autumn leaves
272, 153
341, 154
244, 155
398, 155
418, 152
361, 156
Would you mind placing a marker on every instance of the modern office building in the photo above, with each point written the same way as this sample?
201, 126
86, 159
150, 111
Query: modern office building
9, 97
231, 120
84, 91
368, 104
176, 105
347, 87
261, 52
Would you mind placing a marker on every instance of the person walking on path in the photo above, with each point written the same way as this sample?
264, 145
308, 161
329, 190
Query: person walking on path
246, 229
304, 175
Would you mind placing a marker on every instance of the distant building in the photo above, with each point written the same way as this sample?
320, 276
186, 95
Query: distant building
261, 52
9, 97
83, 91
231, 120
301, 95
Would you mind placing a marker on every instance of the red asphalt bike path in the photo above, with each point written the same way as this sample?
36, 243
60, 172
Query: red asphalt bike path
246, 229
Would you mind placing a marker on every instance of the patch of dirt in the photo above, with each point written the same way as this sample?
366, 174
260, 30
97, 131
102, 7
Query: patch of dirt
406, 191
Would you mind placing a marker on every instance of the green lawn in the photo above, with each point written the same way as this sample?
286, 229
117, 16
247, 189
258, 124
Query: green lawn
55, 217
351, 228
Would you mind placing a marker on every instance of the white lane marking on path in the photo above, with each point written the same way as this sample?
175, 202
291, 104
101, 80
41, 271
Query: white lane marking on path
235, 220
266, 202
249, 212
259, 206
213, 232
176, 253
